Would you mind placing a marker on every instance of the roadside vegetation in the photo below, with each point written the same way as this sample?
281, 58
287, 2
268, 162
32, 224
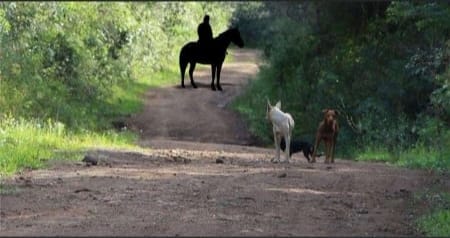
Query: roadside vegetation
384, 65
69, 69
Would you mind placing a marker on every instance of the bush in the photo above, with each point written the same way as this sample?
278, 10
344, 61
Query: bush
62, 60
435, 223
69, 68
384, 67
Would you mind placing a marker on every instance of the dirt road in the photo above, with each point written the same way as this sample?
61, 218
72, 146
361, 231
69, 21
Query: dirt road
199, 174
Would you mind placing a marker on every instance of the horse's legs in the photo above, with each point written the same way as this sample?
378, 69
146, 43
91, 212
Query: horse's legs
219, 68
213, 72
183, 71
191, 72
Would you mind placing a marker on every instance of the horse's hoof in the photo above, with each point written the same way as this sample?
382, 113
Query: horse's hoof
219, 87
194, 86
213, 88
183, 86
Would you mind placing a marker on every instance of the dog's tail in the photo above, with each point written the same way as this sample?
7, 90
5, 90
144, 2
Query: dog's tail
291, 122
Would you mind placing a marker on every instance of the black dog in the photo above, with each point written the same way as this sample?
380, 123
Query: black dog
297, 146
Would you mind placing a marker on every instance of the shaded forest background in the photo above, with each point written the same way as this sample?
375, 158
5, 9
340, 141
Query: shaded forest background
383, 65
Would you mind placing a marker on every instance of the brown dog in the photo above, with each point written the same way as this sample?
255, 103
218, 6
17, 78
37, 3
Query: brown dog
327, 131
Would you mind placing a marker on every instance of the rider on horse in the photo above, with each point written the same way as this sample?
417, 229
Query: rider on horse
205, 35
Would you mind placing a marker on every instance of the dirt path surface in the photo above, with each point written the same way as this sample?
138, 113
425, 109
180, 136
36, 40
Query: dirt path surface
199, 174
198, 115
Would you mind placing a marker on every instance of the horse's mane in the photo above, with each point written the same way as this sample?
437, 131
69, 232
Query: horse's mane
228, 31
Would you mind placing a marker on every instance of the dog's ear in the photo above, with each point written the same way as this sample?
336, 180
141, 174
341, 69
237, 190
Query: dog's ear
269, 107
337, 112
278, 105
268, 103
325, 110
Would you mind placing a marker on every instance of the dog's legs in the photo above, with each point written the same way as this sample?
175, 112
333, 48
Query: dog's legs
328, 144
316, 146
332, 151
278, 147
306, 154
288, 147
333, 148
277, 140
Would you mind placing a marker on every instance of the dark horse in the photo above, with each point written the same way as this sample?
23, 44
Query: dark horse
214, 55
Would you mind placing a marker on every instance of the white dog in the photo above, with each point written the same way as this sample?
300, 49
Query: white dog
283, 124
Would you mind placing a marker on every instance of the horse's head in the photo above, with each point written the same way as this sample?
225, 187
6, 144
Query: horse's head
236, 37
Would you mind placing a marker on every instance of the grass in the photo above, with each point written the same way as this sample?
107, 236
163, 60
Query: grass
374, 154
127, 97
419, 156
436, 223
424, 157
28, 144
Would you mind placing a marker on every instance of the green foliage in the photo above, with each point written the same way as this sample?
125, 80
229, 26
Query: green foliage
57, 57
252, 106
60, 59
384, 66
418, 156
424, 157
28, 144
436, 222
374, 154
69, 68
245, 16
